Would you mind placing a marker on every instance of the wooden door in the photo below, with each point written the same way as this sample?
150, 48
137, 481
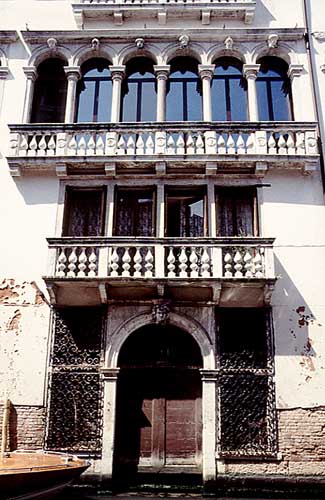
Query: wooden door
158, 418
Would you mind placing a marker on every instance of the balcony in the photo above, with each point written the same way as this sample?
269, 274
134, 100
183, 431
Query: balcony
168, 147
120, 10
225, 271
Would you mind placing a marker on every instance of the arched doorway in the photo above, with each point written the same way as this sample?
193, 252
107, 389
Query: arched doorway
159, 401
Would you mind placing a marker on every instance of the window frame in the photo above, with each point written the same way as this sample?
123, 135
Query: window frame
136, 189
252, 192
67, 207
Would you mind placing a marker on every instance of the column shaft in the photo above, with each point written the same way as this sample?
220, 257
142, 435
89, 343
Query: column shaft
250, 72
117, 73
206, 74
73, 75
162, 73
31, 74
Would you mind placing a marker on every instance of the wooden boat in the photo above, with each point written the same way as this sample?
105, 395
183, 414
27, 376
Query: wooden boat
28, 475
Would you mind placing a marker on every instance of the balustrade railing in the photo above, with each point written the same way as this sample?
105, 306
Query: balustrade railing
161, 258
192, 139
167, 2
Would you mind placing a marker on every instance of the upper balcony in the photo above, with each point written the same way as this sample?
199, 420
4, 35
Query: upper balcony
119, 10
224, 270
160, 147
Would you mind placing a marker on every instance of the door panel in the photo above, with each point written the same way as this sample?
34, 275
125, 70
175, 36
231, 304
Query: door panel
158, 418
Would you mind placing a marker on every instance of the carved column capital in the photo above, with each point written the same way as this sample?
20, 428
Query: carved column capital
72, 72
295, 70
30, 72
117, 72
206, 71
162, 71
250, 71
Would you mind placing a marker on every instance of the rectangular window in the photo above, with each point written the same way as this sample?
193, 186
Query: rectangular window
84, 212
246, 390
237, 212
134, 212
185, 212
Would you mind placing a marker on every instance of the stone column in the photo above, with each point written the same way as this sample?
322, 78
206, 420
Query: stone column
73, 75
161, 72
4, 71
109, 414
206, 74
298, 104
118, 73
209, 438
31, 74
250, 72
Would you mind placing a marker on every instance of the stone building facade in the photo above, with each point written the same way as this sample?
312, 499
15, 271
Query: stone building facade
162, 254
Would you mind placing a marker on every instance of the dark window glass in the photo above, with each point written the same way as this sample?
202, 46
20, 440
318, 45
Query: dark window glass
84, 212
236, 212
228, 93
50, 93
246, 388
273, 90
184, 95
134, 213
139, 98
94, 92
185, 213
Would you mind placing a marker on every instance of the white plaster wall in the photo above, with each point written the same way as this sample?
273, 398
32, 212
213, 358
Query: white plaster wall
293, 211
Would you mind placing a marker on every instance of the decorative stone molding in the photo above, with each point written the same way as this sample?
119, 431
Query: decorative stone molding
95, 43
72, 72
30, 72
250, 71
117, 72
319, 35
184, 41
206, 71
162, 71
160, 311
4, 72
229, 43
110, 373
52, 44
295, 70
139, 43
272, 41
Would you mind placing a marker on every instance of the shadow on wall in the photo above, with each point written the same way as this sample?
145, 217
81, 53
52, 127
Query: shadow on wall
292, 319
262, 14
42, 190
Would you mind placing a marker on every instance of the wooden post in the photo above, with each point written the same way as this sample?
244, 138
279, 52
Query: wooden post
5, 426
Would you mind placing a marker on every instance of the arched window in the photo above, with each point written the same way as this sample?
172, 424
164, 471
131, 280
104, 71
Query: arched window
273, 90
94, 92
184, 96
50, 92
228, 92
139, 98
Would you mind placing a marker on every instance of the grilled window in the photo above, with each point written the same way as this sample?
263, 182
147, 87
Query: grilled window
84, 212
134, 213
246, 389
75, 391
237, 212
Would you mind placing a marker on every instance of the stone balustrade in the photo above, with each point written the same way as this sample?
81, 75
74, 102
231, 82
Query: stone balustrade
235, 3
164, 140
198, 258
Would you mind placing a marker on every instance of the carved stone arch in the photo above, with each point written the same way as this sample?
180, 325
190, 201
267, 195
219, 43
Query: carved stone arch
85, 53
194, 50
217, 51
131, 52
189, 325
42, 53
282, 51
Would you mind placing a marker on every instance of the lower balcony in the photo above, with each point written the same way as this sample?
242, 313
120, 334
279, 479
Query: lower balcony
226, 271
172, 147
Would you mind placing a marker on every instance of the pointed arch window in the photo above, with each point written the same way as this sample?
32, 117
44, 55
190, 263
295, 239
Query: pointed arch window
229, 91
184, 92
139, 98
94, 92
274, 90
50, 92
